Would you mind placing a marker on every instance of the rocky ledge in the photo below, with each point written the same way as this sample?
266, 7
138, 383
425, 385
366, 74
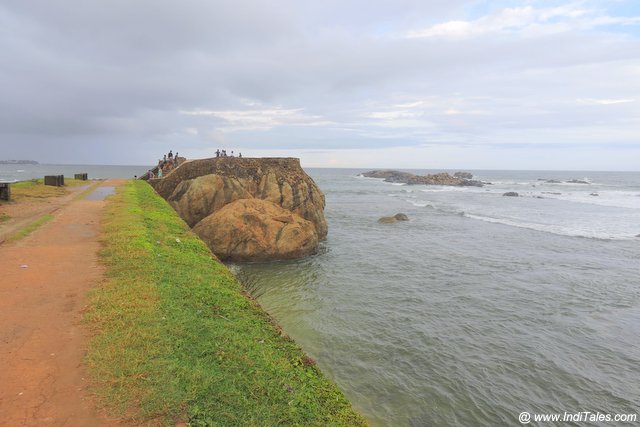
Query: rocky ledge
459, 179
248, 209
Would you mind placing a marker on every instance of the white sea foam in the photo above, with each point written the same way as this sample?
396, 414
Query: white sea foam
368, 178
445, 189
576, 211
563, 230
616, 199
417, 204
507, 183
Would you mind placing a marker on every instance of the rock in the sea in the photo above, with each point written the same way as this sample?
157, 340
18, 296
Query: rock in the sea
463, 175
384, 174
387, 220
393, 219
198, 188
390, 176
401, 217
195, 199
594, 194
442, 178
578, 181
474, 183
511, 194
257, 230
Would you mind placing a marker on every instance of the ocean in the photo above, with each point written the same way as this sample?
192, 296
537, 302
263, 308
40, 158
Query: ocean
480, 307
16, 172
477, 309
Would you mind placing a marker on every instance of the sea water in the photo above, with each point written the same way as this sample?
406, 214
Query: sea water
17, 172
477, 309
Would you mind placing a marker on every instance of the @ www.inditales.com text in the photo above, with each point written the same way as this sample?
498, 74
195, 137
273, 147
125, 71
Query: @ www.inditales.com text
583, 416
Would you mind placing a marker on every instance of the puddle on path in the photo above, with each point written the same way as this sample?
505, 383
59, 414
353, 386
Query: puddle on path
100, 193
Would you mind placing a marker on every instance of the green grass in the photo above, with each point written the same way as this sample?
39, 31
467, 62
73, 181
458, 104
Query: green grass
30, 228
176, 338
35, 189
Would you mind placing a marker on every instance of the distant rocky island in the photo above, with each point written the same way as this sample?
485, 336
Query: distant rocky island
571, 181
18, 162
458, 179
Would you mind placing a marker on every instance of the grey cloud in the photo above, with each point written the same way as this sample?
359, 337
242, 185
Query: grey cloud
117, 77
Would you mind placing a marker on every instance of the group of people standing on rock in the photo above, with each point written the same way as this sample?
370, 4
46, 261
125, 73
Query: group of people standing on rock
170, 161
165, 165
223, 153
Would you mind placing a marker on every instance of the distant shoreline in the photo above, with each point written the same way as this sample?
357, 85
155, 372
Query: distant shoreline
18, 162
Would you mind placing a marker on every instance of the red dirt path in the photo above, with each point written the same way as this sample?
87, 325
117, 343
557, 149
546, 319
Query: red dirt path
43, 381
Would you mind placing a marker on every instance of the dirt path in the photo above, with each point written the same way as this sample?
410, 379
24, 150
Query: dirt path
30, 209
44, 280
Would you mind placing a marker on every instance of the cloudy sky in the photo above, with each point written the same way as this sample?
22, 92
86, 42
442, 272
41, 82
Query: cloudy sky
529, 84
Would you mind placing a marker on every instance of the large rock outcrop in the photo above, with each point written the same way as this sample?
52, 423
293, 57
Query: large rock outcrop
257, 230
199, 189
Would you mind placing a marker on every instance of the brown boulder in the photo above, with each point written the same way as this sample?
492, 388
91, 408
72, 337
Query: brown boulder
257, 230
387, 220
197, 198
199, 188
393, 219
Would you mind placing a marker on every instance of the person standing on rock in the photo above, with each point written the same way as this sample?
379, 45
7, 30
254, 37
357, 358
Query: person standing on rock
170, 155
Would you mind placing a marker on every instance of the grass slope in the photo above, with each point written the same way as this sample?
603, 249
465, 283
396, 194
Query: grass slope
176, 338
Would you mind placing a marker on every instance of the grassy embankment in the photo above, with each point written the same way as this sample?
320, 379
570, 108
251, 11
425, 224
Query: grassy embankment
177, 339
